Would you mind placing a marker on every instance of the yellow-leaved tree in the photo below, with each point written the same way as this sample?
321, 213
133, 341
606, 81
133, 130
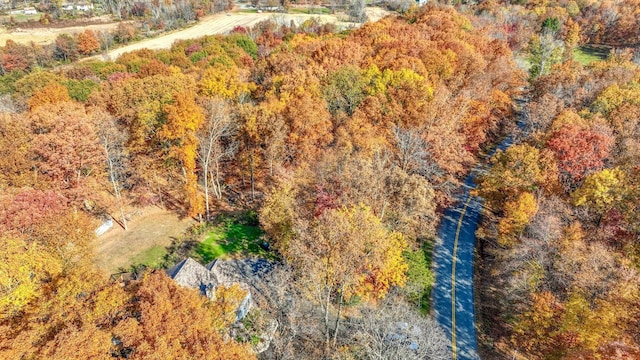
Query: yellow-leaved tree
346, 253
601, 190
184, 117
517, 214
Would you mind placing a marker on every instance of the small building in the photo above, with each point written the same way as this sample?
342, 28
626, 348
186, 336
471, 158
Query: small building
84, 7
190, 273
30, 11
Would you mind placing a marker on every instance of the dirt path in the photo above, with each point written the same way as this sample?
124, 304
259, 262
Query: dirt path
222, 23
152, 227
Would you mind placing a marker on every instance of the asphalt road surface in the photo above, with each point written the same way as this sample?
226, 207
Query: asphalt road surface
453, 300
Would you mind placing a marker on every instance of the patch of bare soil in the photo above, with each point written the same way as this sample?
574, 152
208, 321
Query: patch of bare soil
46, 35
149, 227
376, 13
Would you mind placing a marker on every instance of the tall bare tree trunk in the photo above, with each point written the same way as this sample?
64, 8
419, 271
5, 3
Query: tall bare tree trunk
253, 196
218, 186
155, 176
335, 328
206, 192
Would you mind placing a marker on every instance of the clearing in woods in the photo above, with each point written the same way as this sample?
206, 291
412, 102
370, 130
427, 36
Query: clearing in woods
144, 242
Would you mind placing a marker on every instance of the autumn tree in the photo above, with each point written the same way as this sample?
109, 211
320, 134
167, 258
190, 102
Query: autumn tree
30, 83
215, 144
174, 322
184, 118
113, 141
66, 146
66, 48
48, 294
278, 214
518, 169
536, 327
49, 95
24, 210
125, 32
579, 151
345, 253
344, 91
601, 191
15, 152
88, 42
517, 215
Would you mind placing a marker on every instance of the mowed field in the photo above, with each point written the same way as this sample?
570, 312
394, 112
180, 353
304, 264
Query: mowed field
153, 229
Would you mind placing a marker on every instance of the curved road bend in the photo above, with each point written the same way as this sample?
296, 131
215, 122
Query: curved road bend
453, 300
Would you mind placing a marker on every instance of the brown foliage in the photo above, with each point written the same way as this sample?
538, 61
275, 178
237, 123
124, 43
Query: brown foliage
65, 144
88, 42
174, 323
49, 95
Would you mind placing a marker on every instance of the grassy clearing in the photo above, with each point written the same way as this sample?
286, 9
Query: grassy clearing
152, 257
310, 10
588, 54
420, 277
20, 17
231, 237
425, 301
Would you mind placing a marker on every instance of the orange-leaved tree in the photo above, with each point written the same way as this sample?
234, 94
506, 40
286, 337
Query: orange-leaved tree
172, 322
88, 42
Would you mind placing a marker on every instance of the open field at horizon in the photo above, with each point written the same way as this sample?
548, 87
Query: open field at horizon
209, 25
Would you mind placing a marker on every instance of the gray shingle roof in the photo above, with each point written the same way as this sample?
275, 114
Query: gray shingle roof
190, 273
247, 273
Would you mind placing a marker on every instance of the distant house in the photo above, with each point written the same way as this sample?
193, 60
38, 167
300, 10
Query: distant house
80, 7
190, 273
84, 7
30, 11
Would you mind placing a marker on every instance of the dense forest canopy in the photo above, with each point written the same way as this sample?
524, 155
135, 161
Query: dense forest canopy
348, 146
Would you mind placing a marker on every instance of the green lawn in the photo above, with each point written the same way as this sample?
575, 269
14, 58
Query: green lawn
21, 17
587, 54
309, 10
229, 238
152, 257
425, 302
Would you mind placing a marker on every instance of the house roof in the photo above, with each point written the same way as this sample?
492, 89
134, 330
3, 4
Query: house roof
190, 273
248, 270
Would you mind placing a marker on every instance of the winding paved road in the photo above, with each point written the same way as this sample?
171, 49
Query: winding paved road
453, 300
